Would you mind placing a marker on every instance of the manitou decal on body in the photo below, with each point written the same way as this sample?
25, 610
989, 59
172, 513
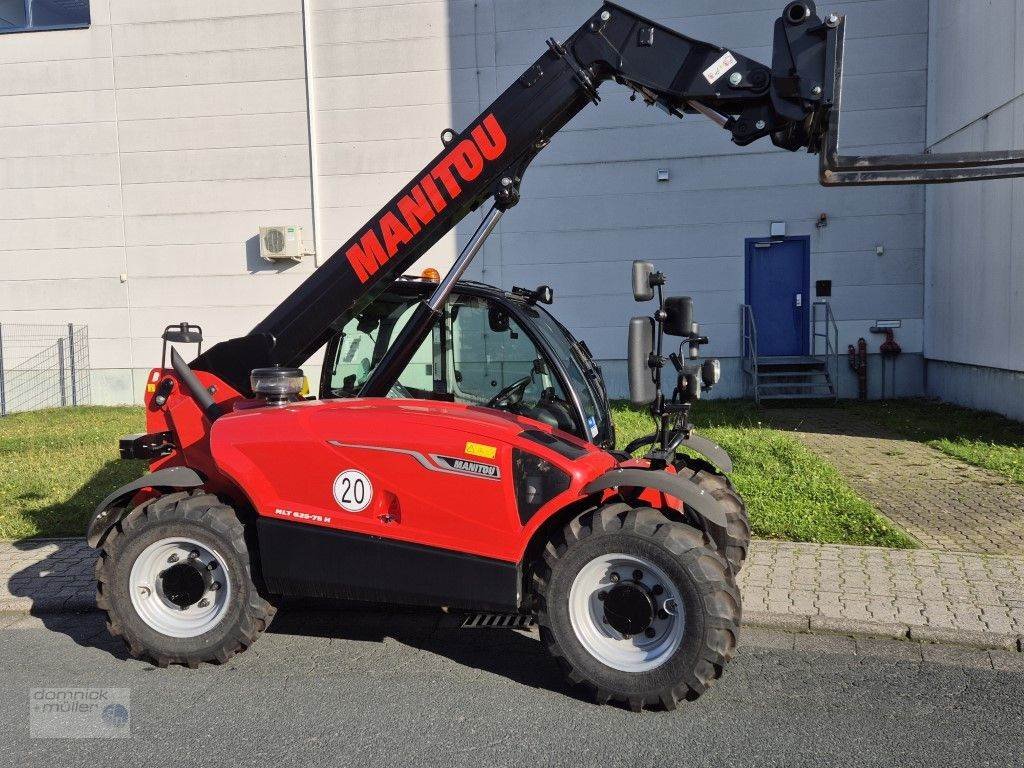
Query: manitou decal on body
475, 468
434, 463
425, 200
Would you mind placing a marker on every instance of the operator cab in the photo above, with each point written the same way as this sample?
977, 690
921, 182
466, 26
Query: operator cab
492, 348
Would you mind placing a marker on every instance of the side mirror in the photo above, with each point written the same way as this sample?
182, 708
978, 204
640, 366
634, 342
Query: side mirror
643, 287
679, 316
642, 390
497, 319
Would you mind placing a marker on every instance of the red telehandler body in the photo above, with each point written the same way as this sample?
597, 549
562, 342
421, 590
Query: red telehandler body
629, 565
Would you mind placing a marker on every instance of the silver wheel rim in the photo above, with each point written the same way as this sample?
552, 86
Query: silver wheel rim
640, 652
149, 579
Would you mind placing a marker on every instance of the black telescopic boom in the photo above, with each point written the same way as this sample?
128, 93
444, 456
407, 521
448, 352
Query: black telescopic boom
664, 67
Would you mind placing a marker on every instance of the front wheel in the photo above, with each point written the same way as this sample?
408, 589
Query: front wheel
637, 608
175, 579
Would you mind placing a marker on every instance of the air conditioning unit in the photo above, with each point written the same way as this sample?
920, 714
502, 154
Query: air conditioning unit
281, 243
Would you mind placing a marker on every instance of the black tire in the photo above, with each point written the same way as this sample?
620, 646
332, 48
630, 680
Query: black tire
203, 518
701, 576
736, 544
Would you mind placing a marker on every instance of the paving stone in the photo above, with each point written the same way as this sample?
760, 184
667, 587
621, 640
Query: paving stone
962, 637
865, 628
787, 622
943, 503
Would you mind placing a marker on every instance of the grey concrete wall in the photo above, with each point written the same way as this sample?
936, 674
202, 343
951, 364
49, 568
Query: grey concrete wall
139, 157
987, 389
137, 160
975, 242
592, 202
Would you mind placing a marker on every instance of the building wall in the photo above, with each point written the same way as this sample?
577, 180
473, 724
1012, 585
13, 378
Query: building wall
975, 271
139, 157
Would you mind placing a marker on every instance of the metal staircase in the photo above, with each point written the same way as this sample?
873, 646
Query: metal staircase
803, 377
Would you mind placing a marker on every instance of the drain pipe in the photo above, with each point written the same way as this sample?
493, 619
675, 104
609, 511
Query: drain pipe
859, 365
311, 123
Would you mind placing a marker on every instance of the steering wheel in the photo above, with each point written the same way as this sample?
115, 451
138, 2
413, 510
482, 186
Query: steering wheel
511, 395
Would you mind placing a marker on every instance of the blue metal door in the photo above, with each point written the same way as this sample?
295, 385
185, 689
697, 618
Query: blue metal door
778, 277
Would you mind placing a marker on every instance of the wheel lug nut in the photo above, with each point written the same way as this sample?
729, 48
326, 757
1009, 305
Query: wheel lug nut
657, 589
204, 603
193, 554
638, 575
212, 565
173, 558
215, 586
649, 632
662, 615
613, 577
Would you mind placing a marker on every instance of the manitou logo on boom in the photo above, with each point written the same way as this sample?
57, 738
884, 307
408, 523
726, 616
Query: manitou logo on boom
425, 200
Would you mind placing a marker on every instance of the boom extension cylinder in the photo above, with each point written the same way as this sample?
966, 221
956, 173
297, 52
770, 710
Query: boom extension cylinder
387, 371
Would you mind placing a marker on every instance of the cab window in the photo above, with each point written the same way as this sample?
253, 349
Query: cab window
366, 338
478, 355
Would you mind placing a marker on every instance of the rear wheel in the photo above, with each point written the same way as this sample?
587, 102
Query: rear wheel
175, 580
636, 608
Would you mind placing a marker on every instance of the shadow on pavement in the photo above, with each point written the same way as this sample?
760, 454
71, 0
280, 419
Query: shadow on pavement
57, 582
517, 656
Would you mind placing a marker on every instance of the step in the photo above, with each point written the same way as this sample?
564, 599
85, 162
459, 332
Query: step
763, 388
792, 374
821, 396
791, 367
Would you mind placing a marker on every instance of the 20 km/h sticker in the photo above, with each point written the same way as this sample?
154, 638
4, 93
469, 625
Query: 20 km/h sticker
353, 490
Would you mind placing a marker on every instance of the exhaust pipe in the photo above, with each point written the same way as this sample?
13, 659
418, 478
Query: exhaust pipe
199, 393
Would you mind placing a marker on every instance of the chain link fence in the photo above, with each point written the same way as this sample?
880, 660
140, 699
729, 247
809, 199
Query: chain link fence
43, 366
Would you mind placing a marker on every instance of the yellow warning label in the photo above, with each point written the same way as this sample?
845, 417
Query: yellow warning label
151, 388
483, 451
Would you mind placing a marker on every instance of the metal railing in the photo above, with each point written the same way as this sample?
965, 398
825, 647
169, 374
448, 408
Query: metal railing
821, 314
43, 366
749, 326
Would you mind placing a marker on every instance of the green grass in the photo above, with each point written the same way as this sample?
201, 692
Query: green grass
790, 492
57, 465
982, 439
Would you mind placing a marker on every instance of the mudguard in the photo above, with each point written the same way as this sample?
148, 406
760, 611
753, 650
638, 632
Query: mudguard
114, 507
692, 495
710, 450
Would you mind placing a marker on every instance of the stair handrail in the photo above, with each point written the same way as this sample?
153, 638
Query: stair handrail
749, 328
831, 336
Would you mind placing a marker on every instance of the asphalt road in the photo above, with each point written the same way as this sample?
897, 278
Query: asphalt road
368, 689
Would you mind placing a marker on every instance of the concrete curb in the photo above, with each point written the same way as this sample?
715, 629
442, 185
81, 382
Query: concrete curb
785, 622
823, 625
